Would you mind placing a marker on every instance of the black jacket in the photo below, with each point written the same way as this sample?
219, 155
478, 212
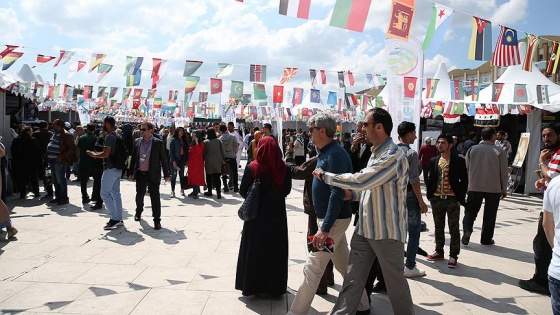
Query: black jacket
158, 160
458, 177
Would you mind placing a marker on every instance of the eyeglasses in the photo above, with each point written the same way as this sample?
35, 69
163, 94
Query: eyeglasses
373, 123
312, 128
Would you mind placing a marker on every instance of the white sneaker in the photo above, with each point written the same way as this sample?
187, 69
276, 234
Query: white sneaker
414, 272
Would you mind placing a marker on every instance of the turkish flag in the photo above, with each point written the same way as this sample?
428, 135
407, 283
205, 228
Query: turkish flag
409, 86
215, 86
278, 94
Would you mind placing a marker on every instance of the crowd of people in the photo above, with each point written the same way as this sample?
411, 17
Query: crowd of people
365, 178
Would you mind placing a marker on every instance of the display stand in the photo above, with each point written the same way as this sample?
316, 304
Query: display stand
514, 179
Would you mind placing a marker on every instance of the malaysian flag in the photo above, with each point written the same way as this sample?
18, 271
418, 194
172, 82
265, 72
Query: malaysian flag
506, 52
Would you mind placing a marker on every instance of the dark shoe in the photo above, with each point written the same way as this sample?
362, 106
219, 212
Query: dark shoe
363, 312
111, 225
47, 196
236, 190
63, 202
488, 243
208, 194
422, 252
219, 195
157, 226
54, 201
86, 200
321, 291
532, 286
379, 287
466, 237
226, 190
137, 217
96, 206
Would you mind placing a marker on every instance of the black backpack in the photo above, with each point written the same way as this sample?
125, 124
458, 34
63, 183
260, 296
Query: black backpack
120, 157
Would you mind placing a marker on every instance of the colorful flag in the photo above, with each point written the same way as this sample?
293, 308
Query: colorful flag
157, 102
410, 86
315, 96
202, 97
553, 62
440, 22
132, 65
542, 94
10, 59
369, 78
506, 52
351, 100
288, 74
457, 92
134, 79
151, 93
236, 89
295, 8
365, 101
438, 109
44, 59
96, 60
378, 80
102, 71
496, 91
341, 83
191, 83
401, 19
113, 92
9, 49
215, 86
246, 99
278, 94
475, 90
88, 90
520, 93
259, 91
481, 40
350, 78
313, 76
532, 46
350, 14
257, 73
101, 90
298, 96
64, 57
74, 67
323, 77
224, 70
190, 67
431, 86
126, 93
332, 98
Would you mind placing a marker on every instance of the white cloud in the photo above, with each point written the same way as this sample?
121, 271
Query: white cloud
9, 23
431, 65
511, 12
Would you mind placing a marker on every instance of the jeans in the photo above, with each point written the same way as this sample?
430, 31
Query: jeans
181, 172
554, 287
414, 227
111, 192
474, 202
58, 173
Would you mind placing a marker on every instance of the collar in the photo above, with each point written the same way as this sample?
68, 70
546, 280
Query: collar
150, 140
383, 146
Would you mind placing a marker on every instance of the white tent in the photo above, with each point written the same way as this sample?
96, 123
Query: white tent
27, 75
443, 89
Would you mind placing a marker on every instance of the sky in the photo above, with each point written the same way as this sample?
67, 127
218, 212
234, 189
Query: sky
227, 31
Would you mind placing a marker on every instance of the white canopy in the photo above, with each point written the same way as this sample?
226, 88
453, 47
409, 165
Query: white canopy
443, 89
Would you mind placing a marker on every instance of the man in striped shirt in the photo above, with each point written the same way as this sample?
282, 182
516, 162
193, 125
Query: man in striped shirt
382, 228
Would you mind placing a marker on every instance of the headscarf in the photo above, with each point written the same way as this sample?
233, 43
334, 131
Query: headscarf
258, 135
269, 159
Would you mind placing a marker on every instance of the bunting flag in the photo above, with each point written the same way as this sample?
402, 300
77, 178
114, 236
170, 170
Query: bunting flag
257, 73
88, 90
278, 94
532, 46
351, 100
401, 19
315, 96
313, 76
341, 83
552, 67
542, 94
50, 94
246, 99
379, 102
486, 116
126, 93
457, 92
369, 78
506, 52
96, 60
332, 98
426, 109
471, 109
151, 93
42, 59
496, 91
259, 91
101, 90
74, 67
288, 74
475, 90
431, 86
481, 40
190, 67
68, 94
215, 86
64, 57
520, 93
298, 96
438, 109
378, 80
191, 83
295, 8
9, 49
134, 79
224, 70
40, 90
10, 58
365, 101
439, 24
157, 102
410, 86
323, 77
350, 14
113, 92
202, 97
350, 78
236, 90
102, 71
133, 65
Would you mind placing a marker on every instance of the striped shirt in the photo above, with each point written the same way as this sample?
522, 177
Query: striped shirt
554, 165
383, 192
53, 148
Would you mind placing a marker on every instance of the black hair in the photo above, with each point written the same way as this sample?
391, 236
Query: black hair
487, 133
405, 127
210, 133
382, 117
223, 128
108, 119
447, 137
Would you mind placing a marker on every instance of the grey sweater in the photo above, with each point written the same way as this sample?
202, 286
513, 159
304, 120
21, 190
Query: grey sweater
488, 168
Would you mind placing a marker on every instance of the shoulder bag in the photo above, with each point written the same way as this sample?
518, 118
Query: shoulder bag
250, 206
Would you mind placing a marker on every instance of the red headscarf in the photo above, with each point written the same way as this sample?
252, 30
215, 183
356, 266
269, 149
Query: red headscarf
269, 159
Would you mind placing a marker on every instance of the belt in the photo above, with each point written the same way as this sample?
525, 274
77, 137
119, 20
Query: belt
445, 197
142, 172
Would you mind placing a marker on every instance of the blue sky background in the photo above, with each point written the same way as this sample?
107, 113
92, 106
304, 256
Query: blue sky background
240, 33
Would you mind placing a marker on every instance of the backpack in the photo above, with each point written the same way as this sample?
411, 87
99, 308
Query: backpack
121, 153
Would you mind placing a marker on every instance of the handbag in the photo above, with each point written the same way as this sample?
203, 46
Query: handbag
250, 206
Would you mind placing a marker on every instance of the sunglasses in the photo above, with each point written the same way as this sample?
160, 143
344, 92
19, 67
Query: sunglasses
312, 128
143, 129
370, 123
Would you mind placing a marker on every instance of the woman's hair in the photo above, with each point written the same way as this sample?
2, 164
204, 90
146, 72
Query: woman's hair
211, 133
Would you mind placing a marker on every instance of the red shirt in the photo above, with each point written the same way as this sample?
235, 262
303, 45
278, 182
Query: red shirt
426, 153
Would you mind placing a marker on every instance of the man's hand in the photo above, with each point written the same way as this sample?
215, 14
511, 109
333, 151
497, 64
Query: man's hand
319, 239
347, 195
540, 183
167, 179
423, 207
317, 173
545, 156
504, 194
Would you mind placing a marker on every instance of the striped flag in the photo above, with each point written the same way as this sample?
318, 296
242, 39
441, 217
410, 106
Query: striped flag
134, 79
431, 86
532, 46
96, 60
341, 83
190, 67
542, 94
288, 74
350, 14
191, 83
496, 91
10, 59
133, 65
350, 78
102, 71
295, 8
457, 90
113, 92
64, 57
224, 70
313, 76
475, 90
481, 40
553, 62
506, 52
257, 73
323, 77
9, 49
44, 59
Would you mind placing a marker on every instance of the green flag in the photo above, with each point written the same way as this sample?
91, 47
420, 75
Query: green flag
259, 92
236, 89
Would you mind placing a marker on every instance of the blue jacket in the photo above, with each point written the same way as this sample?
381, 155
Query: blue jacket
175, 152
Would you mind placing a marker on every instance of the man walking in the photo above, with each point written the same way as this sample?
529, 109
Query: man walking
381, 229
61, 152
425, 154
148, 158
88, 167
111, 178
44, 136
446, 189
230, 148
491, 161
333, 216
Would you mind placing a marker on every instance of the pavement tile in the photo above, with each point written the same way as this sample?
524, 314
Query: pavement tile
176, 302
106, 300
57, 272
110, 274
166, 277
43, 297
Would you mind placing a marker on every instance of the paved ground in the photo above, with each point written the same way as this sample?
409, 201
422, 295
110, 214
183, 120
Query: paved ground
63, 261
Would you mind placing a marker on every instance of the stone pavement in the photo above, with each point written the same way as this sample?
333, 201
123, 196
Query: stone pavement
64, 262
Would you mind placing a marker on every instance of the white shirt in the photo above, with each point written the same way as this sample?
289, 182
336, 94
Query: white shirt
551, 203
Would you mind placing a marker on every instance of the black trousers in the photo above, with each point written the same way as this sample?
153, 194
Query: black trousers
474, 202
425, 171
142, 182
85, 173
213, 180
25, 177
543, 255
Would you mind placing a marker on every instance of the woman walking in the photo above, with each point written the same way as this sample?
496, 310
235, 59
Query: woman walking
214, 156
178, 155
196, 164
